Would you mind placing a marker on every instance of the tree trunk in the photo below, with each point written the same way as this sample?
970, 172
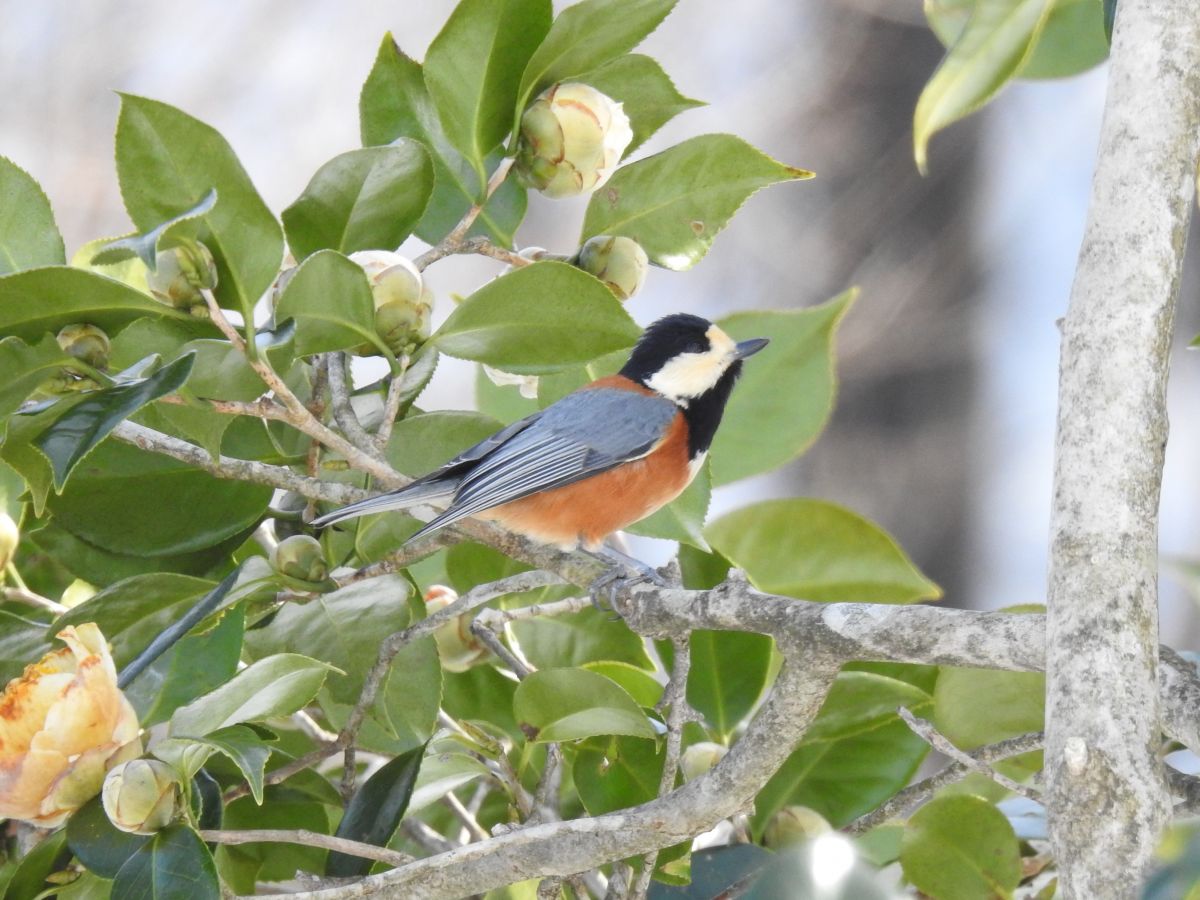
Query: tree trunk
1106, 796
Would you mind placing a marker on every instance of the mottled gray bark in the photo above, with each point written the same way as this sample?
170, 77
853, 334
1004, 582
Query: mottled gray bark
1107, 799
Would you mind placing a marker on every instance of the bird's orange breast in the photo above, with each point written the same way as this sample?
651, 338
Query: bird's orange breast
588, 511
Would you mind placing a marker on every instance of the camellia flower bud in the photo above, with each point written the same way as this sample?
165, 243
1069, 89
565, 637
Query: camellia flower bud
181, 273
619, 262
699, 758
402, 302
792, 825
141, 796
300, 557
572, 138
86, 343
457, 646
63, 724
10, 536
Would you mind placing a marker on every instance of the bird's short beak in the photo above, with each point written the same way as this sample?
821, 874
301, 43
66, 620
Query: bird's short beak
750, 347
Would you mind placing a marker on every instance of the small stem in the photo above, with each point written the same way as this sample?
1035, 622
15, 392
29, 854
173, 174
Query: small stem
468, 821
308, 839
452, 241
391, 407
335, 366
22, 594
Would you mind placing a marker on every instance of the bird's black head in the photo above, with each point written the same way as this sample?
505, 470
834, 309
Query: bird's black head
694, 363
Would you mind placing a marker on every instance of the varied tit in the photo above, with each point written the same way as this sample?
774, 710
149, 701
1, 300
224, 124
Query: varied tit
599, 459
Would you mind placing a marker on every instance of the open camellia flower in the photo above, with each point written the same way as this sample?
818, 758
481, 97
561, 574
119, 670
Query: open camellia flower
63, 724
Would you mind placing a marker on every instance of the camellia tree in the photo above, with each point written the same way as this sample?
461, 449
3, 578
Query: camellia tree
243, 703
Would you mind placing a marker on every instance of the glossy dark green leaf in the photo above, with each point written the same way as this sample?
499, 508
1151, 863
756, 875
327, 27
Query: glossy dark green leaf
204, 511
575, 320
375, 812
645, 91
165, 160
146, 246
76, 433
40, 300
25, 366
361, 200
855, 755
29, 880
22, 641
395, 103
585, 36
676, 202
818, 551
1072, 40
683, 518
785, 394
473, 68
718, 872
569, 704
729, 670
994, 44
330, 299
100, 845
614, 773
173, 865
239, 743
28, 235
961, 847
276, 686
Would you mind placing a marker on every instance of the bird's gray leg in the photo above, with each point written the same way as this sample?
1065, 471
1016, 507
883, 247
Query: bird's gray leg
618, 575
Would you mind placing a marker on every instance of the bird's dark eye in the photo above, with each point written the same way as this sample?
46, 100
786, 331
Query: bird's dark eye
695, 347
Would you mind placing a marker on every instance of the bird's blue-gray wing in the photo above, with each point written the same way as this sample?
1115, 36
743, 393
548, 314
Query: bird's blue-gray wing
583, 434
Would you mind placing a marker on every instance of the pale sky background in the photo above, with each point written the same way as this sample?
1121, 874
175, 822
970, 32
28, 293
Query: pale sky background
280, 80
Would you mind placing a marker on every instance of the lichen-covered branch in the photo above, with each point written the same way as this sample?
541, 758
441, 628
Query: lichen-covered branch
1107, 801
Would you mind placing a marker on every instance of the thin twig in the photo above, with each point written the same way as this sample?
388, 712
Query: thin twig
30, 598
464, 817
498, 618
391, 406
940, 743
262, 408
425, 837
404, 557
921, 791
452, 241
308, 839
312, 728
336, 367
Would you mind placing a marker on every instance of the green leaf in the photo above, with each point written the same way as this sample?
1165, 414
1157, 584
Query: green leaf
676, 202
422, 442
818, 551
276, 686
729, 671
204, 511
29, 880
568, 704
1073, 39
395, 103
77, 432
481, 693
23, 367
645, 91
641, 685
100, 845
995, 44
683, 518
959, 848
22, 641
173, 865
28, 236
474, 65
503, 402
616, 773
375, 812
564, 641
361, 200
283, 807
131, 271
145, 246
857, 753
585, 36
41, 300
330, 299
241, 744
1110, 18
165, 160
973, 707
575, 320
785, 395
443, 772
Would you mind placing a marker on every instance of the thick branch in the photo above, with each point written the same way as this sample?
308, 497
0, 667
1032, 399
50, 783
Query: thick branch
1107, 801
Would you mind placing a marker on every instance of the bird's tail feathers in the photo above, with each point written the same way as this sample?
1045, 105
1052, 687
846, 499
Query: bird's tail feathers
413, 495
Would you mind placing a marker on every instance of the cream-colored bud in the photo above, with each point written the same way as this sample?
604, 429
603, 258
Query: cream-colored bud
403, 305
181, 273
301, 557
699, 758
86, 343
794, 825
458, 648
141, 796
619, 262
572, 138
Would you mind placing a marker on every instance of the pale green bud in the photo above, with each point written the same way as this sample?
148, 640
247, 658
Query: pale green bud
141, 796
699, 758
10, 537
181, 273
571, 141
457, 646
619, 262
300, 557
403, 304
794, 825
86, 343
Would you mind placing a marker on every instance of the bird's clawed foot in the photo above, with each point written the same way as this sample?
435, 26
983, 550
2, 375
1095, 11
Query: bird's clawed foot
624, 572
